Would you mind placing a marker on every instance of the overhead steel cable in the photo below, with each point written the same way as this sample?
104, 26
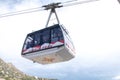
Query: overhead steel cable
47, 7
68, 1
78, 2
21, 12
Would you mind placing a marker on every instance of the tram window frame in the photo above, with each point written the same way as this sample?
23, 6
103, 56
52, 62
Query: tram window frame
54, 34
54, 37
61, 37
37, 38
45, 33
30, 44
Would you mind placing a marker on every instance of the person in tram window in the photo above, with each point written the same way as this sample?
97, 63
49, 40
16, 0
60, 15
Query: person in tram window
60, 36
56, 35
35, 43
29, 43
37, 39
45, 39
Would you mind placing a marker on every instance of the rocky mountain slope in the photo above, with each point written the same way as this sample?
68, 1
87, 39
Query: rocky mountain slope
9, 72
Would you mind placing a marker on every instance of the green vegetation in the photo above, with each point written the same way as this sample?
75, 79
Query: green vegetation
9, 72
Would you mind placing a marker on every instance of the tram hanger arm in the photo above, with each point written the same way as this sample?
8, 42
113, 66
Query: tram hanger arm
119, 1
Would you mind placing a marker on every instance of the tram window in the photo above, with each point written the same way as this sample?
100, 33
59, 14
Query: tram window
46, 36
29, 41
60, 34
56, 34
37, 39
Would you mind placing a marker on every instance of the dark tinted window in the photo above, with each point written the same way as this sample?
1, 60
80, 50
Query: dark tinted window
56, 34
37, 40
29, 41
45, 37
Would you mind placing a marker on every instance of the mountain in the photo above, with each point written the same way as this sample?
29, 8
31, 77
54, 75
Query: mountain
10, 72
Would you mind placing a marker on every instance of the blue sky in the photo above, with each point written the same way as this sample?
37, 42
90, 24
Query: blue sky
93, 27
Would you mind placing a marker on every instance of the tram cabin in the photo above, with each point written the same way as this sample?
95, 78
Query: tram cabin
49, 45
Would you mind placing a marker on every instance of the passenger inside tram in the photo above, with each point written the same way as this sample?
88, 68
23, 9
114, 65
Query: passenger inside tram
43, 40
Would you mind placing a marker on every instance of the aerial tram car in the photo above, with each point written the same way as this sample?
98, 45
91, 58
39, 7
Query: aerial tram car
49, 45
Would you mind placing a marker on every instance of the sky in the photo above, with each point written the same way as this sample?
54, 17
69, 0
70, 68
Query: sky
93, 27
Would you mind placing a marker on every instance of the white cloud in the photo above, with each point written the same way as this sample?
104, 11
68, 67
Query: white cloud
94, 28
116, 77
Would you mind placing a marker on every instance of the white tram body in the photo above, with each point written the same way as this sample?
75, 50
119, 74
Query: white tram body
49, 45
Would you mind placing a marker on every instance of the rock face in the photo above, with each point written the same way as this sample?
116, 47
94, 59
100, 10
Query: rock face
9, 72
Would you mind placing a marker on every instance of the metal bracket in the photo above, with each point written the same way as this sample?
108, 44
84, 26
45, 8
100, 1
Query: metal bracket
51, 12
52, 6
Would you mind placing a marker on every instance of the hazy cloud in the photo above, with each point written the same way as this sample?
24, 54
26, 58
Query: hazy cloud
97, 55
10, 3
